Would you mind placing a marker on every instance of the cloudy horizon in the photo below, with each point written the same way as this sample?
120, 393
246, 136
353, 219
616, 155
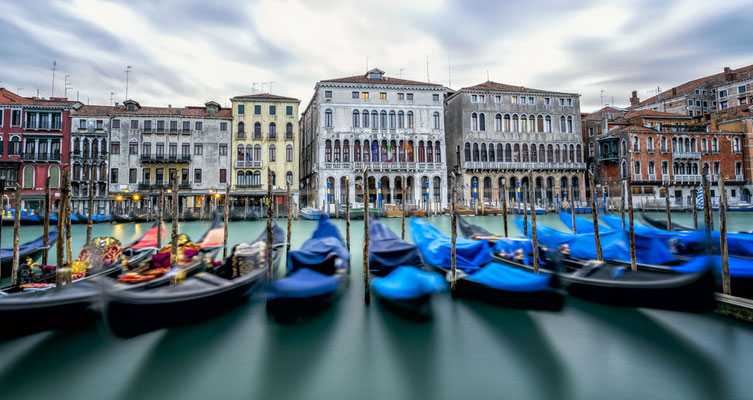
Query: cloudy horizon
188, 52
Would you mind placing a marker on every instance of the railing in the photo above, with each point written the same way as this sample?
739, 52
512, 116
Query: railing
739, 178
637, 177
47, 127
240, 135
40, 156
522, 165
695, 155
248, 186
247, 164
146, 130
384, 166
173, 131
162, 158
186, 131
651, 177
687, 178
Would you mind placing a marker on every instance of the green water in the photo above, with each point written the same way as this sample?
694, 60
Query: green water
352, 351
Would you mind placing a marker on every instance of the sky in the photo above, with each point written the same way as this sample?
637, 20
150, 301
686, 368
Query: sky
191, 51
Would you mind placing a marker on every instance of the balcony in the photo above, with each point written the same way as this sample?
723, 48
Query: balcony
240, 136
522, 165
186, 131
739, 178
46, 127
173, 131
160, 158
611, 157
384, 166
687, 179
652, 177
249, 186
43, 157
692, 155
637, 177
146, 131
247, 164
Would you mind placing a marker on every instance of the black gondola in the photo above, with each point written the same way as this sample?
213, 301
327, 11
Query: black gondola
32, 249
236, 215
119, 218
470, 231
189, 216
130, 313
488, 281
253, 215
659, 224
317, 275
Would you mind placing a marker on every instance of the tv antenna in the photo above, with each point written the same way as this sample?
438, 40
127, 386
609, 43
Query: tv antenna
270, 86
127, 72
111, 94
253, 87
400, 73
54, 68
67, 85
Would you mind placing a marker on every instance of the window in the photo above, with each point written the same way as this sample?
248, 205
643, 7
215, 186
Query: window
174, 126
400, 119
289, 177
365, 118
116, 124
223, 126
393, 120
328, 118
741, 89
364, 95
723, 104
186, 126
697, 103
435, 119
272, 110
327, 94
160, 175
132, 175
81, 123
547, 101
160, 150
356, 118
569, 102
723, 93
530, 100
409, 96
482, 122
637, 168
562, 102
113, 175
715, 145
257, 109
383, 119
257, 130
146, 149
272, 130
474, 98
435, 97
569, 124
184, 175
146, 176
636, 144
198, 149
522, 99
197, 175
185, 150
497, 99
198, 126
736, 145
272, 153
114, 148
410, 119
223, 175
651, 168
133, 148
563, 124
289, 153
241, 109
382, 96
401, 96
289, 131
474, 122
134, 124
514, 100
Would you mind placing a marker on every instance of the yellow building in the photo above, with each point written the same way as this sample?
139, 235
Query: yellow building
266, 138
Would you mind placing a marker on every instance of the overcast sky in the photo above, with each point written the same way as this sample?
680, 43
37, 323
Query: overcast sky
187, 52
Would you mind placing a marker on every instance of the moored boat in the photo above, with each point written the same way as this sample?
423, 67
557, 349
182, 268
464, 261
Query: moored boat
30, 250
311, 213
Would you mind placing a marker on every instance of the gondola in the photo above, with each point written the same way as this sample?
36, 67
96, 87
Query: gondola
37, 305
32, 249
470, 231
400, 283
131, 313
658, 224
479, 277
311, 213
189, 216
139, 218
316, 276
119, 218
143, 247
30, 218
253, 215
689, 287
236, 215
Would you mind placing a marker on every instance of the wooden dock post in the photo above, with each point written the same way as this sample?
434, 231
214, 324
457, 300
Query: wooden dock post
622, 205
16, 236
726, 284
290, 220
633, 264
60, 241
504, 206
160, 210
347, 215
366, 277
46, 221
534, 234
90, 219
174, 225
270, 229
571, 203
595, 216
706, 211
226, 220
453, 237
666, 205
402, 213
525, 210
695, 210
68, 230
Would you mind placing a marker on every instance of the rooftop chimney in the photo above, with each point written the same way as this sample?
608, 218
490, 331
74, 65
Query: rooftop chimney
728, 74
674, 91
634, 100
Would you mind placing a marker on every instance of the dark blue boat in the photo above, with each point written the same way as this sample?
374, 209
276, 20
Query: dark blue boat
31, 249
316, 276
400, 283
479, 277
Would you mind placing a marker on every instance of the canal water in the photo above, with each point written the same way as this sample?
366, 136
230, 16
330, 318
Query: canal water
352, 351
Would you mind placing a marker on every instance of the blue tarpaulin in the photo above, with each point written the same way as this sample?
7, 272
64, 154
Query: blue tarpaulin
7, 252
387, 251
435, 248
408, 283
503, 277
304, 283
325, 243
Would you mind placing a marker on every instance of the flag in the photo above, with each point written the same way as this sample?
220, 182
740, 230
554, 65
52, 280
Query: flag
374, 151
699, 197
389, 152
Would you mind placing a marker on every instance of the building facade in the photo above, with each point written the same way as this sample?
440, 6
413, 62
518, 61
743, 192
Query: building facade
735, 91
655, 149
37, 133
266, 137
90, 138
395, 127
498, 133
150, 147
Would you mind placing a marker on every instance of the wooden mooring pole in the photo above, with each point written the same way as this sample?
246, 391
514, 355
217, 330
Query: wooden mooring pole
174, 225
534, 234
347, 214
90, 219
46, 226
270, 229
160, 210
504, 207
571, 203
666, 205
633, 264
726, 284
68, 230
60, 240
622, 205
706, 211
402, 213
366, 277
227, 219
453, 237
16, 236
695, 210
525, 210
595, 216
290, 220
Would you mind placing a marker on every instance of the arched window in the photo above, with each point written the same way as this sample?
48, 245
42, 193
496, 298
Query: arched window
548, 124
365, 118
241, 130
637, 169
289, 130
257, 178
374, 120
525, 152
623, 169
663, 143
563, 124
357, 151
736, 145
327, 118
257, 130
435, 118
328, 151
383, 119
241, 156
76, 146
289, 153
516, 153
474, 121
557, 153
498, 123
409, 150
483, 151
508, 153
467, 152
492, 153
429, 152
507, 123
476, 155
366, 151
579, 153
337, 151
393, 120
542, 153
28, 177
393, 151
346, 151
569, 124
549, 153
421, 153
272, 153
482, 121
523, 123
704, 145
437, 153
533, 157
257, 152
515, 126
540, 124
500, 153
356, 118
384, 154
572, 154
289, 177
272, 131
410, 120
239, 178
400, 119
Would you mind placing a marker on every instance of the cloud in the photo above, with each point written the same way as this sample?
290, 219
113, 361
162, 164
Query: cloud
187, 52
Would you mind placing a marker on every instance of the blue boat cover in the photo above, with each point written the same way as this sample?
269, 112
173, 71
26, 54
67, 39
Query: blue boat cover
325, 243
387, 251
615, 245
584, 225
304, 283
502, 277
435, 248
7, 252
738, 267
408, 282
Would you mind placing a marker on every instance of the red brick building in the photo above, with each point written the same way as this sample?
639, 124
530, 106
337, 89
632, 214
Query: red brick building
35, 144
654, 148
